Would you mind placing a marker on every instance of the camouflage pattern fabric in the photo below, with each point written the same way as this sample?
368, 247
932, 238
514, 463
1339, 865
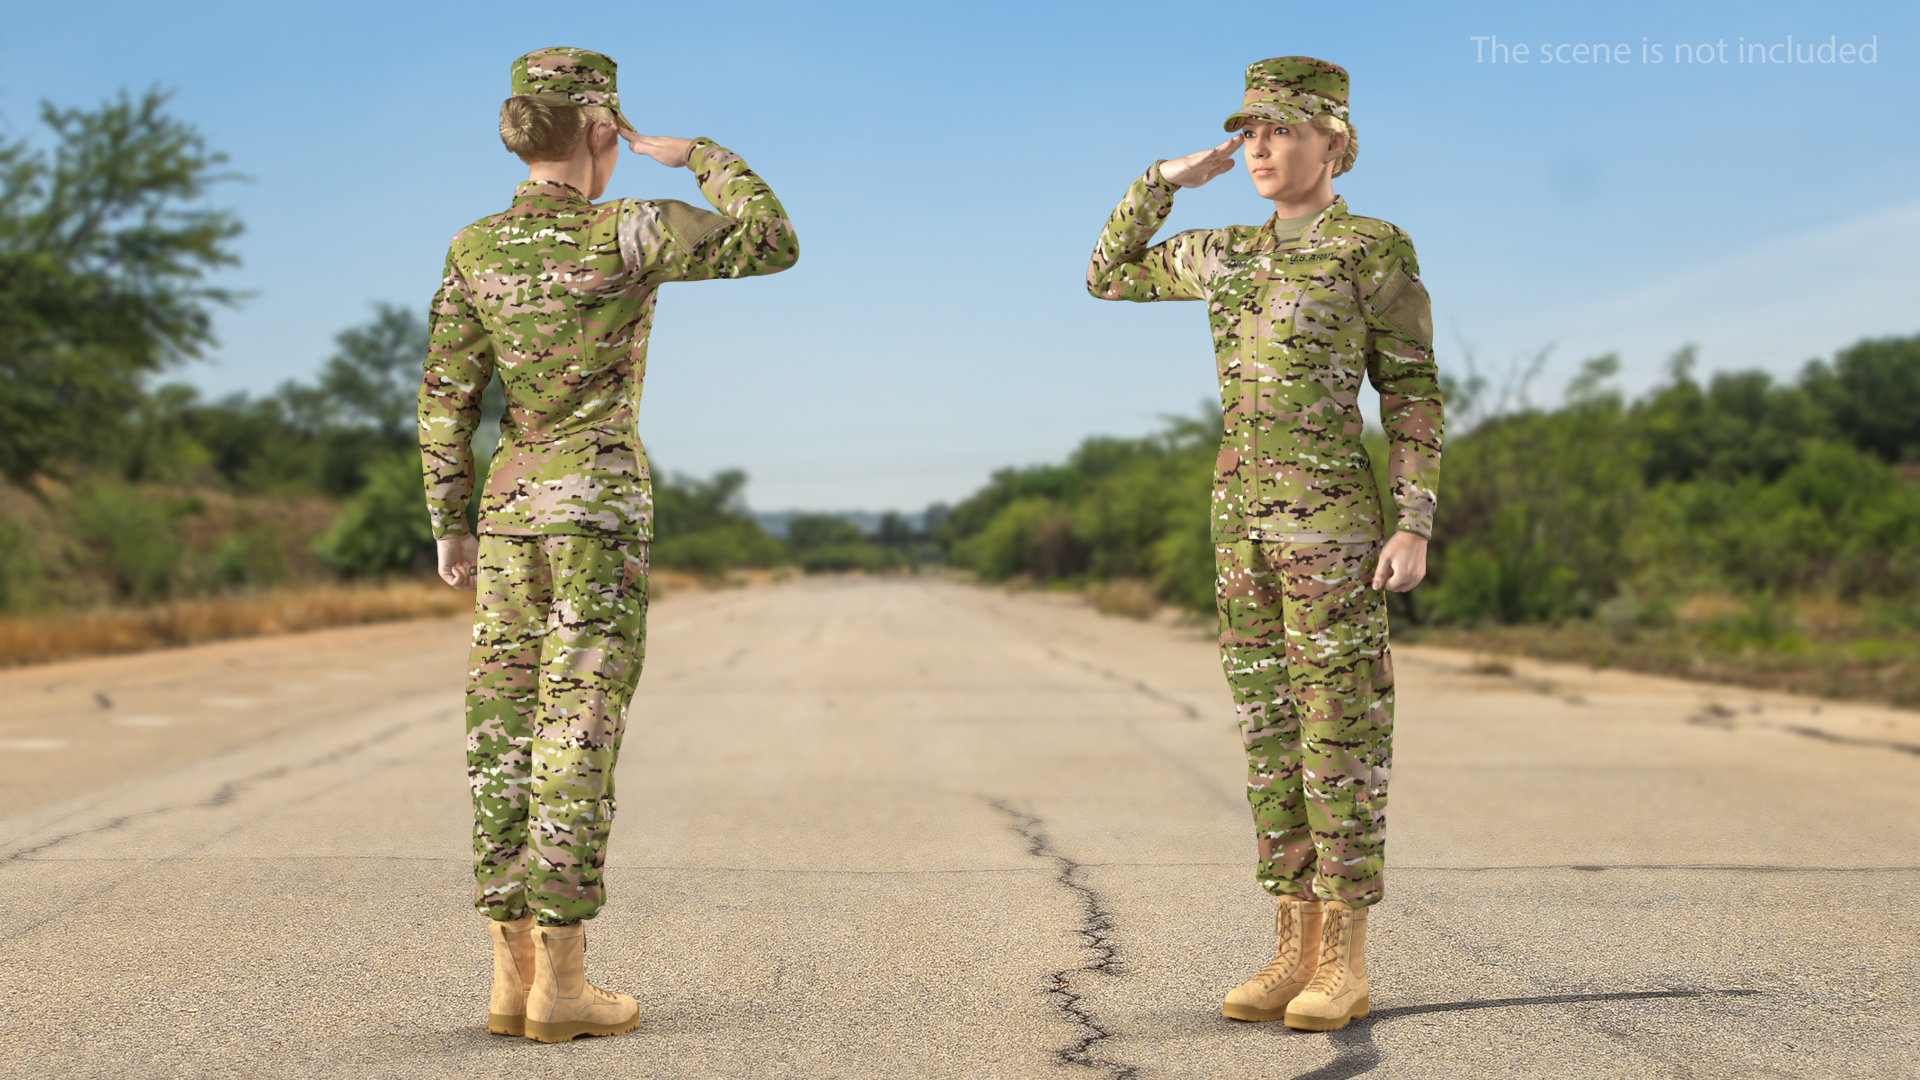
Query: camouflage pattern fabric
557, 294
1304, 643
1295, 328
1292, 90
558, 640
568, 77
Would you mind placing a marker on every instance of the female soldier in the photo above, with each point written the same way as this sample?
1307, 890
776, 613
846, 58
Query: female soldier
1301, 306
556, 294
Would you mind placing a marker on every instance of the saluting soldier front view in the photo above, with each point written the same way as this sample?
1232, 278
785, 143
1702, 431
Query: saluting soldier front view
1302, 307
556, 294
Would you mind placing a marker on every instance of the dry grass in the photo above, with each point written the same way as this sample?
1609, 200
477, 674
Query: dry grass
1856, 663
1134, 599
1491, 665
39, 640
46, 638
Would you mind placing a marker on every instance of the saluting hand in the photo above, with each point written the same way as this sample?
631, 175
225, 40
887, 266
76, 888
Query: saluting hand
1196, 169
667, 151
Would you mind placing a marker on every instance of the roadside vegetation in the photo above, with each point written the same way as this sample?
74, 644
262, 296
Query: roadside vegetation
135, 512
1740, 528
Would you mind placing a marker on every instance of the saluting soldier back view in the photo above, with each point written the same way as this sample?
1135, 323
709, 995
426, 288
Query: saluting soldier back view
556, 295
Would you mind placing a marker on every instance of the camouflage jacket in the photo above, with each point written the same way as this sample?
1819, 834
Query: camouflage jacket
557, 294
1294, 328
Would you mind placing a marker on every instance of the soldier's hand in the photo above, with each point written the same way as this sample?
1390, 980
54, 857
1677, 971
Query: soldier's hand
459, 555
1196, 169
667, 151
1403, 563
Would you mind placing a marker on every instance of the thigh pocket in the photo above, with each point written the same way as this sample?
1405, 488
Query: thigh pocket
633, 573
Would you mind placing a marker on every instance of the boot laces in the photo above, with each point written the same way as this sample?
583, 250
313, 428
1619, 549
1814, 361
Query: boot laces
1328, 973
1287, 959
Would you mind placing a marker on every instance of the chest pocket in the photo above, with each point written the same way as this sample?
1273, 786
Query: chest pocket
1318, 294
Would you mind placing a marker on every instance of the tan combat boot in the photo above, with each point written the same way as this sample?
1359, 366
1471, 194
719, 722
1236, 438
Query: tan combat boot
1338, 991
563, 1005
512, 975
1265, 996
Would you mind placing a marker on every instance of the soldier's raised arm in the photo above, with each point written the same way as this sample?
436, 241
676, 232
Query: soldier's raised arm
1126, 264
667, 240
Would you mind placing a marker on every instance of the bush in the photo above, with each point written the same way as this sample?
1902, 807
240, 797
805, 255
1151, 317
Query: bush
1183, 563
712, 552
128, 537
834, 558
1120, 509
1004, 547
702, 526
822, 543
20, 572
383, 530
250, 558
1134, 599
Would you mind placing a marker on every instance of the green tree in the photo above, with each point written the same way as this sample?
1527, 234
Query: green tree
894, 532
1739, 424
373, 381
104, 257
1873, 393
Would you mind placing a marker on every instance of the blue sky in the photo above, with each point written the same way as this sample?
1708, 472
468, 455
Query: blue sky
949, 168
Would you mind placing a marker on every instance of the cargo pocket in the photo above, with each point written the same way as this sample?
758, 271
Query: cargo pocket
630, 603
1233, 582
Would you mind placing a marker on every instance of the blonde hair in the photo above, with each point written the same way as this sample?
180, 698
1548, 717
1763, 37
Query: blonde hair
540, 132
1329, 124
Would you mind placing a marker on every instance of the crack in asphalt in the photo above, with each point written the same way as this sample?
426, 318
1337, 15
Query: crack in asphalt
221, 795
1848, 740
1357, 1055
1096, 928
1137, 685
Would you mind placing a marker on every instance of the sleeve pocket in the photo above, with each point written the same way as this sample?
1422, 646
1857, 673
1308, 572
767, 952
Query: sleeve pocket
689, 224
1403, 304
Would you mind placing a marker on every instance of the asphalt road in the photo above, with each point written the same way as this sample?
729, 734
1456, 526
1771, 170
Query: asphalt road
917, 829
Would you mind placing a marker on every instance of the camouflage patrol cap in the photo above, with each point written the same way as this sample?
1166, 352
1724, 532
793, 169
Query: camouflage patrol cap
1292, 90
568, 77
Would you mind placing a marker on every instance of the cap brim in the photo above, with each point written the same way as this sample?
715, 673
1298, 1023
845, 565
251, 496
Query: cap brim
1270, 111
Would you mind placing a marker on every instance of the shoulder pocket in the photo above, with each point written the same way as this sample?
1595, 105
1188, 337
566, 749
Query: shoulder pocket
689, 224
1403, 303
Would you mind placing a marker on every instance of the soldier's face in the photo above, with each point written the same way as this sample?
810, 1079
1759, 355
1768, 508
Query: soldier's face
1289, 160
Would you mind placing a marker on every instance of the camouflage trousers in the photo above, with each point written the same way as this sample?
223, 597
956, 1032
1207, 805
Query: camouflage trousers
1304, 643
559, 634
